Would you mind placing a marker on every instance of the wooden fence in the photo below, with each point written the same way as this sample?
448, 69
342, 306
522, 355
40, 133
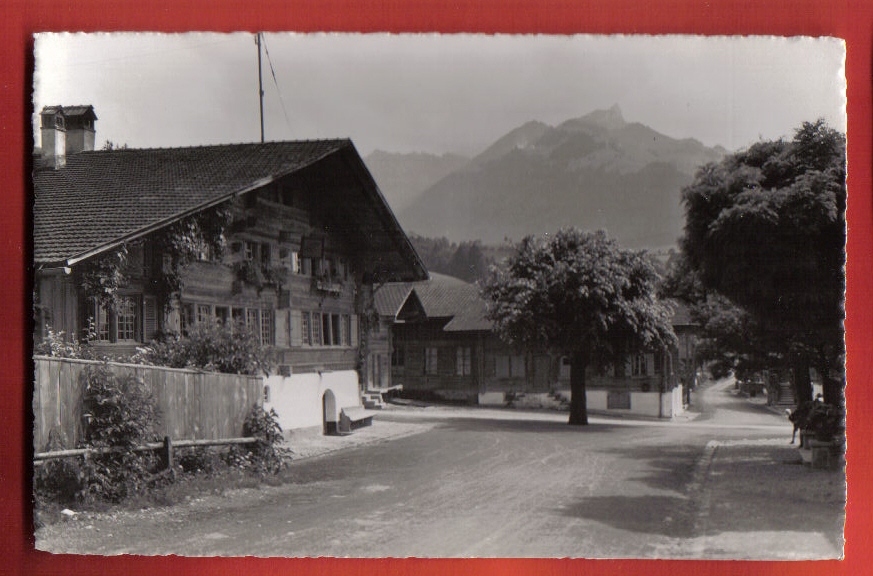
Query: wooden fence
193, 405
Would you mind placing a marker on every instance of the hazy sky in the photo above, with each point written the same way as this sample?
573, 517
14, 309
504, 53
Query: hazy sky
436, 93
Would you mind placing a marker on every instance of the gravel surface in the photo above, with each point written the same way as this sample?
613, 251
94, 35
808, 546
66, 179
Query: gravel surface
720, 482
312, 444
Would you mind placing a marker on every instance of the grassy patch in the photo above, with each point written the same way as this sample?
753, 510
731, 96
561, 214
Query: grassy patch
198, 472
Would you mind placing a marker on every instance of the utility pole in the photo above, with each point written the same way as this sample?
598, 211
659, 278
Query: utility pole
260, 85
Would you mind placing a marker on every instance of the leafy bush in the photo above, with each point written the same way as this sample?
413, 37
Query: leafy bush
61, 480
199, 460
56, 344
826, 421
120, 413
264, 456
210, 346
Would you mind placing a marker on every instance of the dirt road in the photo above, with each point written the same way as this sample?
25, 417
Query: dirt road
503, 483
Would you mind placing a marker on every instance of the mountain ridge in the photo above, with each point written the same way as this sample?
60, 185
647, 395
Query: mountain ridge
403, 176
594, 171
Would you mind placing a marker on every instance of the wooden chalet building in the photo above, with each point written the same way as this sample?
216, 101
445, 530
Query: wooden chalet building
309, 236
443, 347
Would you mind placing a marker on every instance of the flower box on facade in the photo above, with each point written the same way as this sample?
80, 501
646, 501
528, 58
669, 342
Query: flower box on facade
328, 286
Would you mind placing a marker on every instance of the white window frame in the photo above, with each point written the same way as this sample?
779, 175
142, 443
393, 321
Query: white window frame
305, 328
638, 365
111, 326
127, 314
267, 327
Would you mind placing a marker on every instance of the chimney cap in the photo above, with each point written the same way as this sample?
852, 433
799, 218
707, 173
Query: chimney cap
78, 111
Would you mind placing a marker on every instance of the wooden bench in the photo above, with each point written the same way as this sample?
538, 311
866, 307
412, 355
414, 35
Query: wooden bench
352, 418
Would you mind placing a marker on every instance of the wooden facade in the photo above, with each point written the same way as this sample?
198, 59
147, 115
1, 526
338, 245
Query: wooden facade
438, 357
378, 373
301, 255
303, 306
430, 362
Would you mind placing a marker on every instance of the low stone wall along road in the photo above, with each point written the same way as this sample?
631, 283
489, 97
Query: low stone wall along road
722, 482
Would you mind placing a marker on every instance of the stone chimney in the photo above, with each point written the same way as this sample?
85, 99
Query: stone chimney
65, 131
53, 133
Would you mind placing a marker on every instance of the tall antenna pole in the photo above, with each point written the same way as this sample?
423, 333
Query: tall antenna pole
260, 86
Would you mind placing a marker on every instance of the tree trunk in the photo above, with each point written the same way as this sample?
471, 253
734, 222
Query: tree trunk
802, 383
832, 389
578, 403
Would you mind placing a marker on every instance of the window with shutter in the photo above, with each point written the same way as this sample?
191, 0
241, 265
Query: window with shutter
124, 323
296, 328
335, 330
204, 313
253, 320
282, 327
639, 365
315, 327
353, 330
267, 331
150, 318
125, 318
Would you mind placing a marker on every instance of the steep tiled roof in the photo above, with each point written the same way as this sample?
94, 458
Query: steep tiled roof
102, 197
443, 298
448, 297
389, 298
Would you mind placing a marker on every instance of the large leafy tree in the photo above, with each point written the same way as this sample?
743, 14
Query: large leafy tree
729, 339
578, 294
766, 228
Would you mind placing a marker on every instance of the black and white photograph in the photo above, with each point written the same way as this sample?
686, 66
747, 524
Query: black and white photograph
439, 295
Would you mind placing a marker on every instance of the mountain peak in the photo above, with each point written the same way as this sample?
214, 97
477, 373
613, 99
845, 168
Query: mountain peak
609, 119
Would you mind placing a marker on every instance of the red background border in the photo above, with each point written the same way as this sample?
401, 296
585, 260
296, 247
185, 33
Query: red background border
851, 20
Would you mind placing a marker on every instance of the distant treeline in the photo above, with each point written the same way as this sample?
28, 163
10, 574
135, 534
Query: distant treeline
466, 260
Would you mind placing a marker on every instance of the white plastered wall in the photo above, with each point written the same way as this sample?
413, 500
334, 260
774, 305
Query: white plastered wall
297, 399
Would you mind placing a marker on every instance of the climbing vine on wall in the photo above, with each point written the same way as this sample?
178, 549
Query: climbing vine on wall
368, 316
182, 242
101, 277
175, 247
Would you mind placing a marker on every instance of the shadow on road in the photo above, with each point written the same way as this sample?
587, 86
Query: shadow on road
522, 426
751, 489
401, 455
671, 468
662, 515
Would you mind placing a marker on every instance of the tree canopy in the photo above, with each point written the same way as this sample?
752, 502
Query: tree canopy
578, 294
766, 228
728, 337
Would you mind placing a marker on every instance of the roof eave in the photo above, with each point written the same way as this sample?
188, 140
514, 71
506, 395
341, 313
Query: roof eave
418, 269
261, 182
145, 231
